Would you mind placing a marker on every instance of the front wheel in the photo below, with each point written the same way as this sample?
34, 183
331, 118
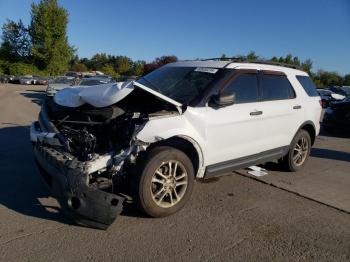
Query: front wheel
165, 183
299, 151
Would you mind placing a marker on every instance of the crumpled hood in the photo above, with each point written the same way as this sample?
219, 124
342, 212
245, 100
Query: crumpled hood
97, 96
104, 95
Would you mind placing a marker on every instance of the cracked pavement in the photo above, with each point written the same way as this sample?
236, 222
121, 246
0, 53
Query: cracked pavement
231, 218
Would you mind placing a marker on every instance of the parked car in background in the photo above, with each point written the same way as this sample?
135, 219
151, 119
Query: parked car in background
39, 80
72, 74
96, 80
328, 96
59, 83
337, 115
344, 91
15, 80
35, 79
6, 78
26, 80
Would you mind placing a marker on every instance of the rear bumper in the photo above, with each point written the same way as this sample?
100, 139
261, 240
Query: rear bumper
69, 180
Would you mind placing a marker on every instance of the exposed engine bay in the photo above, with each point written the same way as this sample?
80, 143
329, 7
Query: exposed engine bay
90, 130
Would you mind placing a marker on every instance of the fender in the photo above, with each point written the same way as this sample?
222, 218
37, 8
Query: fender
315, 132
176, 126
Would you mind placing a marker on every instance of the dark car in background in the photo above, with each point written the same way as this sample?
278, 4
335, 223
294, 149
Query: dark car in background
327, 96
341, 90
337, 116
6, 78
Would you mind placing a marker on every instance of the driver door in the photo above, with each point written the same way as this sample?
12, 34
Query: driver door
233, 131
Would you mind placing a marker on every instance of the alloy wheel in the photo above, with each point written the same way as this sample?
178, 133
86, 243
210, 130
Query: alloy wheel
300, 151
169, 183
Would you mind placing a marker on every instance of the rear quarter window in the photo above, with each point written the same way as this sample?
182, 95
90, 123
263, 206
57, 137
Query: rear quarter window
308, 85
276, 87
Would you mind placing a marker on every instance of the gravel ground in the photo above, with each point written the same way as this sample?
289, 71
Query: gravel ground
231, 218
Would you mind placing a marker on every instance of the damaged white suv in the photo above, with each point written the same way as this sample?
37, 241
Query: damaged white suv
184, 121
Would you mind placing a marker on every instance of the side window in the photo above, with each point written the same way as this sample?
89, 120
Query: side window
276, 87
308, 85
245, 87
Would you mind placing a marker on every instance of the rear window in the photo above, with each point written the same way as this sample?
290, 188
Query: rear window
276, 87
308, 85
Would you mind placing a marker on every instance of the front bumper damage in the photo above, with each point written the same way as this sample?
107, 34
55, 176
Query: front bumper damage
69, 178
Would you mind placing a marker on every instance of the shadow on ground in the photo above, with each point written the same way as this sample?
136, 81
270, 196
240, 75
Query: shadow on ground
21, 185
36, 96
341, 133
330, 154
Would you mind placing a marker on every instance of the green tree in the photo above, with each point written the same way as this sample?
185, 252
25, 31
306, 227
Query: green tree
109, 70
252, 56
307, 65
20, 68
51, 50
274, 59
98, 61
16, 42
138, 68
123, 65
346, 81
78, 67
327, 78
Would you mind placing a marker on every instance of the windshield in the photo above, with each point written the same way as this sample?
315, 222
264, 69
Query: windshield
182, 84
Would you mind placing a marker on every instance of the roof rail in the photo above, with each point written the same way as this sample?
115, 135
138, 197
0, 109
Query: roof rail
258, 61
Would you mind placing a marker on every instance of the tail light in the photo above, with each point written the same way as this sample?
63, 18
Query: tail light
322, 103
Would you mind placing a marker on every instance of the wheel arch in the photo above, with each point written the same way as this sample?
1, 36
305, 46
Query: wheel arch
187, 145
310, 128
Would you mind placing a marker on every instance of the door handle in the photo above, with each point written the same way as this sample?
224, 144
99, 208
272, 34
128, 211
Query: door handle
297, 107
256, 113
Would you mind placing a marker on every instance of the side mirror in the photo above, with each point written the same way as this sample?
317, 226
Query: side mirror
222, 100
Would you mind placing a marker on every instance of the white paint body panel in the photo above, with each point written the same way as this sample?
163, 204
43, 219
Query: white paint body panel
231, 132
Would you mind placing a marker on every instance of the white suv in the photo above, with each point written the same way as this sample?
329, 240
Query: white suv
184, 121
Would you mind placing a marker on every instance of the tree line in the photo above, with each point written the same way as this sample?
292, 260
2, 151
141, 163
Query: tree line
42, 48
321, 78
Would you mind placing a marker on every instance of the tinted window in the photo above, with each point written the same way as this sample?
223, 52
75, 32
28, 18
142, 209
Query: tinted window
308, 85
276, 87
245, 87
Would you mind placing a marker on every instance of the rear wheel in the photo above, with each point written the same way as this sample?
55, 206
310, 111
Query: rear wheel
299, 151
165, 183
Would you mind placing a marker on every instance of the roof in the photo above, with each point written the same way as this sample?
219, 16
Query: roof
259, 65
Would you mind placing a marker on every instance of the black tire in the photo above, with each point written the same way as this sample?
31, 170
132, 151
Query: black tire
288, 162
144, 191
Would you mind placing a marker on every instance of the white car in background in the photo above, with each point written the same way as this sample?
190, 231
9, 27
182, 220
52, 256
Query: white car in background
184, 121
26, 80
59, 83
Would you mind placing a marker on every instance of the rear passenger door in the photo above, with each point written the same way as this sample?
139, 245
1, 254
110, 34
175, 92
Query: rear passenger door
282, 111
